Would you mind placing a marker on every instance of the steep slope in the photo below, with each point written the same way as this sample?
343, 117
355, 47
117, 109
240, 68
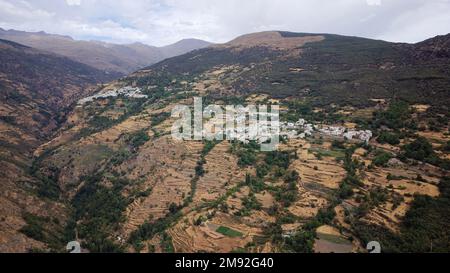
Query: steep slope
116, 59
36, 89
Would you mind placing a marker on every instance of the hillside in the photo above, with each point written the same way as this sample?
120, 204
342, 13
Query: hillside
132, 187
327, 68
183, 196
36, 89
116, 59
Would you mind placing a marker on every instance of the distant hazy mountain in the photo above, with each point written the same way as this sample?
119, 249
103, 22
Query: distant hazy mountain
183, 47
112, 58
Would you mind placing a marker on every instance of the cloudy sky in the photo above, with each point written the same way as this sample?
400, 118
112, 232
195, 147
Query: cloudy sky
160, 22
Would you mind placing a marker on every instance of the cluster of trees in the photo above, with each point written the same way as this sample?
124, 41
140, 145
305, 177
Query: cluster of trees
395, 117
298, 109
44, 229
256, 184
249, 203
246, 153
352, 179
422, 150
119, 157
98, 210
137, 139
208, 146
160, 118
166, 243
34, 227
281, 159
336, 144
381, 158
387, 137
48, 186
288, 193
149, 229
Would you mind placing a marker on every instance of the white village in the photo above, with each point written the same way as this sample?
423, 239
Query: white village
127, 91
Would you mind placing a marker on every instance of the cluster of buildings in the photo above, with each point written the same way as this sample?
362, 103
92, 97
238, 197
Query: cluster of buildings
302, 129
127, 91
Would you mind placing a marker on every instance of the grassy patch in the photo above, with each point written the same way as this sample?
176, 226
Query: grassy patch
336, 153
333, 239
229, 232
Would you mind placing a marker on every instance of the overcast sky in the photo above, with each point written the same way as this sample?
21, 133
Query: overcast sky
161, 22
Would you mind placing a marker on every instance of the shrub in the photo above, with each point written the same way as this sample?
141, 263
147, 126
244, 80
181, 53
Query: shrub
338, 144
420, 149
292, 177
345, 191
277, 158
381, 159
395, 116
156, 120
246, 158
251, 203
446, 147
390, 138
138, 139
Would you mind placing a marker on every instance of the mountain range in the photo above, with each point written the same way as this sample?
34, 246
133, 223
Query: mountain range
116, 59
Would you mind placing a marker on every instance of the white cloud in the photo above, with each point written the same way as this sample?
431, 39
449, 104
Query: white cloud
374, 2
73, 2
161, 22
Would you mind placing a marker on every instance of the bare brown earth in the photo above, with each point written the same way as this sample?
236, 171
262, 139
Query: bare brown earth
189, 238
317, 177
168, 167
388, 216
273, 40
221, 174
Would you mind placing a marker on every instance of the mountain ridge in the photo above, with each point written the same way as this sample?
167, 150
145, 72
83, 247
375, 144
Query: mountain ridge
113, 58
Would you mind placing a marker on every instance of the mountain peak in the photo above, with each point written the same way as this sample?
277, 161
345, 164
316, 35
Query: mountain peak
183, 46
191, 42
273, 39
